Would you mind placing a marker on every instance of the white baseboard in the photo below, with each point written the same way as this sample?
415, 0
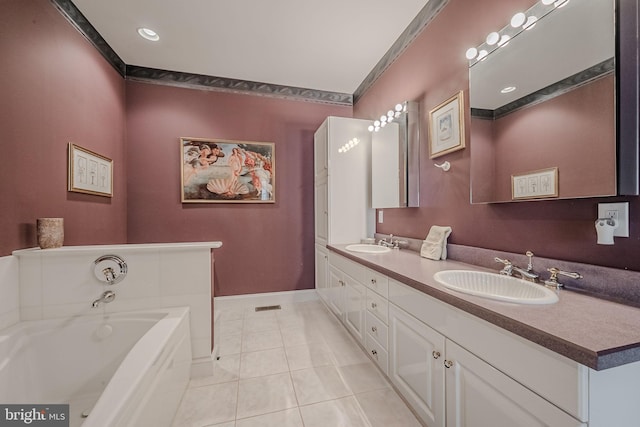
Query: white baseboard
269, 298
202, 366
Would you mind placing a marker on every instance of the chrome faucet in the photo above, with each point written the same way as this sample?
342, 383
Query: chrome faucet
526, 274
383, 241
106, 297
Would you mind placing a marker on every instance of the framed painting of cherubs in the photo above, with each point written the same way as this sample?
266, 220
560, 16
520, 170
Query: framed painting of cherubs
222, 171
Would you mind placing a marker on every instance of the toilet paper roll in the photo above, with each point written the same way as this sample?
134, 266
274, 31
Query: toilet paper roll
605, 228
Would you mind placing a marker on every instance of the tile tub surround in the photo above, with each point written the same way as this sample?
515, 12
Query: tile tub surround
9, 289
312, 374
60, 282
597, 333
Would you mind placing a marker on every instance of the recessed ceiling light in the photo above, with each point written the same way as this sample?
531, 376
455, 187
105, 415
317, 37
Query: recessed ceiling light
508, 89
148, 34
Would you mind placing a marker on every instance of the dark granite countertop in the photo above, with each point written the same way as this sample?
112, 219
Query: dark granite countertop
595, 332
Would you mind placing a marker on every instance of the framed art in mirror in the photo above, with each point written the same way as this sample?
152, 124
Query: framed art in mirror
446, 126
223, 171
535, 185
89, 172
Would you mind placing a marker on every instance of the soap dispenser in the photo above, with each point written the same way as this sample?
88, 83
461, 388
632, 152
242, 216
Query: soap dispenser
605, 228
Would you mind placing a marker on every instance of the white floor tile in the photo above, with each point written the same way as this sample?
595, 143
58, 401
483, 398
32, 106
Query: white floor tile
318, 384
288, 418
202, 406
261, 340
231, 344
363, 377
262, 395
335, 413
263, 362
384, 408
309, 356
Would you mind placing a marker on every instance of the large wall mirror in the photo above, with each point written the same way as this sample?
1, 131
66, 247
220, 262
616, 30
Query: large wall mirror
543, 108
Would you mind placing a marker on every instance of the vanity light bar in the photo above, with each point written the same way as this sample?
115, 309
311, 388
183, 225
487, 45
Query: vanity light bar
521, 21
388, 118
349, 145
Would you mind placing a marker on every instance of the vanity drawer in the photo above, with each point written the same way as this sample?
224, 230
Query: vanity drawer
345, 265
378, 306
378, 354
378, 330
377, 282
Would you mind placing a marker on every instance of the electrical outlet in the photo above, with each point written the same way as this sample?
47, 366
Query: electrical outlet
619, 212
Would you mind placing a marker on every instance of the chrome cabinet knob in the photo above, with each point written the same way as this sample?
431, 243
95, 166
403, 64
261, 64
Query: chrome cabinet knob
375, 353
374, 329
435, 354
373, 281
374, 305
448, 364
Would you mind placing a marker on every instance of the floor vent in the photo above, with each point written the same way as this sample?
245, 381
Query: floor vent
268, 307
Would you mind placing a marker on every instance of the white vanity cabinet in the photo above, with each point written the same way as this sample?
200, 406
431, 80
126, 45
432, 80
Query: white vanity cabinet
479, 395
416, 365
322, 272
347, 295
342, 212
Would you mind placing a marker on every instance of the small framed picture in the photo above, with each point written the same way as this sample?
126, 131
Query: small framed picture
446, 126
89, 172
538, 184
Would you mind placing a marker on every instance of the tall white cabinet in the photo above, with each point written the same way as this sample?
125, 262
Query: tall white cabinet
342, 195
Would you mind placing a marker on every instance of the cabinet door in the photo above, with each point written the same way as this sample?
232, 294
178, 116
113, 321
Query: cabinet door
415, 367
336, 291
321, 210
322, 267
478, 395
320, 149
355, 296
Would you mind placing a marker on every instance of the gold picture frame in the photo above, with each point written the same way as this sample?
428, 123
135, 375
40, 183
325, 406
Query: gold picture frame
539, 184
225, 171
446, 126
89, 172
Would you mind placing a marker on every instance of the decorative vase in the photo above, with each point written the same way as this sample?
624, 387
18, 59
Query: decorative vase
50, 232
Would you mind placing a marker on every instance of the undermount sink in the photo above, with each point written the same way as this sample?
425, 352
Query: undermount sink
368, 249
496, 286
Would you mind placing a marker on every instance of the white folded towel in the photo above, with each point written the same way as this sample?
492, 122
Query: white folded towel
435, 245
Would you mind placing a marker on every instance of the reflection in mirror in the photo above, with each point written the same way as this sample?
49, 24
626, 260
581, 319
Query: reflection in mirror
547, 100
395, 161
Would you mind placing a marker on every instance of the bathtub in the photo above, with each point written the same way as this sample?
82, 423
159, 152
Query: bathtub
121, 369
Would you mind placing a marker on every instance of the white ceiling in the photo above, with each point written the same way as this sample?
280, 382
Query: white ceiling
328, 45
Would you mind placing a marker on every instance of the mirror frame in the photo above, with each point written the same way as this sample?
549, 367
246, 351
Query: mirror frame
627, 96
627, 99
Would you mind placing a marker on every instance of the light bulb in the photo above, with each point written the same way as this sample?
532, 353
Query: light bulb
148, 34
383, 124
377, 128
508, 89
518, 19
482, 55
398, 107
376, 123
383, 119
504, 40
390, 113
531, 22
370, 128
547, 2
493, 38
472, 52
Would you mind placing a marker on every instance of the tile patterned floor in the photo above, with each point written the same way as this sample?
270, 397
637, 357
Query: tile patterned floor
295, 367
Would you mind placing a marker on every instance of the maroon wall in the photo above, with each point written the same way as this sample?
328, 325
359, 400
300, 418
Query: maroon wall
267, 247
572, 122
431, 70
56, 88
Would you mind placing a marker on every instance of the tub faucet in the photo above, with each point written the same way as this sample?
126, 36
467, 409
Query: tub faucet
106, 297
